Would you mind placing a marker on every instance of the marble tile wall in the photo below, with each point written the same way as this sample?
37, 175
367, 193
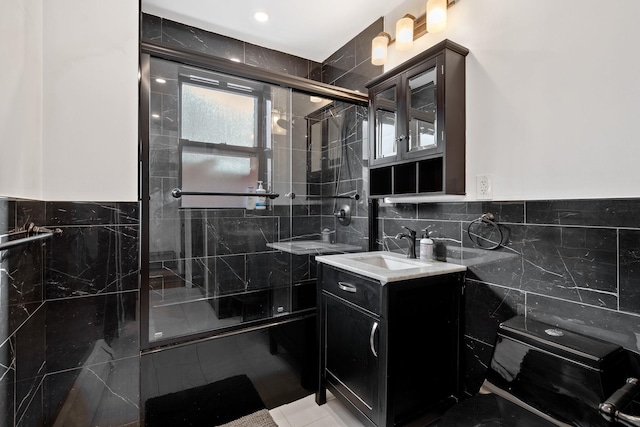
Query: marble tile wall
570, 263
71, 318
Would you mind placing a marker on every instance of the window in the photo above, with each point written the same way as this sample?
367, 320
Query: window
221, 138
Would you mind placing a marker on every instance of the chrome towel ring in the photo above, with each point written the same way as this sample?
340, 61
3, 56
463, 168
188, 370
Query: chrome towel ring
485, 233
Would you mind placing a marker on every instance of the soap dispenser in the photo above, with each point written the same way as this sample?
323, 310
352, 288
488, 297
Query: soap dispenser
426, 246
261, 203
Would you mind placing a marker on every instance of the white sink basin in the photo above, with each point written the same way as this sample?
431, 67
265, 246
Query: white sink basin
388, 266
390, 263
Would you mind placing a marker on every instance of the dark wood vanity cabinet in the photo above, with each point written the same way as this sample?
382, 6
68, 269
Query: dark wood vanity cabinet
417, 125
390, 352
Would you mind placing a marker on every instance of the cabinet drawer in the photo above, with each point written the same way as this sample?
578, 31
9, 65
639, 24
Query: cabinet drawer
355, 289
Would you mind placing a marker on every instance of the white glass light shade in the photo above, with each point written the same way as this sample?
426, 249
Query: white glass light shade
436, 15
379, 46
404, 33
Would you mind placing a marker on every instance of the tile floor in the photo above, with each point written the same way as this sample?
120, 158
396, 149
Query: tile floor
305, 412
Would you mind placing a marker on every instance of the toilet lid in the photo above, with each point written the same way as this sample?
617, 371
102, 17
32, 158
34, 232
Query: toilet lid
490, 410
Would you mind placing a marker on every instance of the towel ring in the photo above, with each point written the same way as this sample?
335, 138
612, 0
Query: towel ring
477, 237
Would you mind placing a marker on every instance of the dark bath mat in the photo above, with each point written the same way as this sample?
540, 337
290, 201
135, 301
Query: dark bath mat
208, 405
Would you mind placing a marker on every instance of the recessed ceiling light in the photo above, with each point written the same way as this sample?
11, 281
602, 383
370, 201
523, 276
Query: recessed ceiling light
155, 116
159, 80
261, 17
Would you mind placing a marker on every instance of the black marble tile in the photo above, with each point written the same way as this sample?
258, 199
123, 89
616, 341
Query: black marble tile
151, 28
243, 235
262, 272
32, 414
356, 233
363, 41
195, 39
22, 273
30, 361
597, 212
607, 325
397, 210
505, 211
340, 62
77, 326
7, 215
536, 260
92, 259
230, 274
29, 211
630, 271
274, 60
91, 213
7, 381
357, 78
487, 306
476, 357
315, 71
109, 393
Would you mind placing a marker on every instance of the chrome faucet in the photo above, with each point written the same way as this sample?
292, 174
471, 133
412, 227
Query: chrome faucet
411, 237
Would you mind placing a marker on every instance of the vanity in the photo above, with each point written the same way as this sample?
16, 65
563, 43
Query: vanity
390, 336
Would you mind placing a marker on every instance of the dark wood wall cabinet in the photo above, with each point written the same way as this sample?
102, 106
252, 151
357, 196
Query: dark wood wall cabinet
390, 352
417, 125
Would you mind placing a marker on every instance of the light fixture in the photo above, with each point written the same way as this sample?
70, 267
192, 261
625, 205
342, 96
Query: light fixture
436, 15
261, 17
315, 99
160, 80
379, 46
404, 32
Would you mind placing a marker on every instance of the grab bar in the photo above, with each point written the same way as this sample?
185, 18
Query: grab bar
43, 233
177, 193
293, 195
610, 409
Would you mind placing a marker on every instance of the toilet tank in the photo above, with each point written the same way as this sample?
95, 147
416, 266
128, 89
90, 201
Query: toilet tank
560, 373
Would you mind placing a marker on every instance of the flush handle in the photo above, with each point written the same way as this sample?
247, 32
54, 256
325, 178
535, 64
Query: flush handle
610, 409
347, 287
374, 328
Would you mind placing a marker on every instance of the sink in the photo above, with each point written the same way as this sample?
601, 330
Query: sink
382, 261
388, 266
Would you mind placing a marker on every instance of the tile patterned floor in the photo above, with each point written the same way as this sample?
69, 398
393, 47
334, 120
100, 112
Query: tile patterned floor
305, 412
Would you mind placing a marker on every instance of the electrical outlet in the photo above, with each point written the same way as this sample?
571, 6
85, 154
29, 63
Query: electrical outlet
484, 190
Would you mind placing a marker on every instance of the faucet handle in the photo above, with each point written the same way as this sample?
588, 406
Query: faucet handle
412, 232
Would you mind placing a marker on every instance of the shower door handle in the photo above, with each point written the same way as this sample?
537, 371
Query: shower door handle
374, 328
610, 409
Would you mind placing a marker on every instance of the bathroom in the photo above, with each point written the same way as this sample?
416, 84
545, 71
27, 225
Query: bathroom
563, 174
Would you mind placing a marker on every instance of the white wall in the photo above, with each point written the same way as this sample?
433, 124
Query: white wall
553, 94
21, 98
90, 100
68, 100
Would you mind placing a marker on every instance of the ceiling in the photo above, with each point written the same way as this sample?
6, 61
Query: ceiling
311, 29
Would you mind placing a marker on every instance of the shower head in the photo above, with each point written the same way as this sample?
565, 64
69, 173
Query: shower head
283, 123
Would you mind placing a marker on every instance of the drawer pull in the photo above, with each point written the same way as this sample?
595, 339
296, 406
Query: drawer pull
347, 287
374, 328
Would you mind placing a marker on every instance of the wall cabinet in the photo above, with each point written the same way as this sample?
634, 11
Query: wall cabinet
390, 352
417, 125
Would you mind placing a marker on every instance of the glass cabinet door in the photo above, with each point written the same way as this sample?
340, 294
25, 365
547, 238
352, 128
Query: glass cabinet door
422, 112
386, 119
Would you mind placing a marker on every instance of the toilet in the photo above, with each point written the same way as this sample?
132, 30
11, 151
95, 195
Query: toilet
541, 375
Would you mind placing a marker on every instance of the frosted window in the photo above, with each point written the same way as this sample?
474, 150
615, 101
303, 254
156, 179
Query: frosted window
217, 116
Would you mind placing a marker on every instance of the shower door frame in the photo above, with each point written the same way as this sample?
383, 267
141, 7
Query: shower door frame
189, 58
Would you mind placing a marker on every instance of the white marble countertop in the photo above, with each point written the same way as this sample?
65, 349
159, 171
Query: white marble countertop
389, 266
309, 247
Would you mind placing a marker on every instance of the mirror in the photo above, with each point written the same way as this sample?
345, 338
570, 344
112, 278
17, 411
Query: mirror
422, 111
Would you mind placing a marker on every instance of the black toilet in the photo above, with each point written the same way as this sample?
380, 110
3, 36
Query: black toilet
541, 375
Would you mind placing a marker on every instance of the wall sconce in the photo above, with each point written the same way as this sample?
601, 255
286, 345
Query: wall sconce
379, 46
404, 32
436, 15
408, 29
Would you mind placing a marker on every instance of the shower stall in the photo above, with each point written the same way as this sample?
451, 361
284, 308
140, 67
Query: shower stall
220, 261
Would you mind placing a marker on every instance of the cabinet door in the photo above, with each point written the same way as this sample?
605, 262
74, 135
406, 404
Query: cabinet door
384, 126
424, 113
351, 343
